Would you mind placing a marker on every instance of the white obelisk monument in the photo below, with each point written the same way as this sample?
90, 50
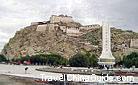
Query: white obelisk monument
106, 58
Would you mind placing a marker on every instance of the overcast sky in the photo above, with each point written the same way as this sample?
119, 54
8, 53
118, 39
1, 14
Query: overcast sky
16, 14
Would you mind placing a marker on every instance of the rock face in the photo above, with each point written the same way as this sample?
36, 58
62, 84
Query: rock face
65, 38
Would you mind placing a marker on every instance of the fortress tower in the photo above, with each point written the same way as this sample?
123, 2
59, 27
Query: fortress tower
106, 58
61, 18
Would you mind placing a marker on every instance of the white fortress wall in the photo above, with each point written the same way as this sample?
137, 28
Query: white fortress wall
46, 26
72, 30
89, 27
56, 19
41, 27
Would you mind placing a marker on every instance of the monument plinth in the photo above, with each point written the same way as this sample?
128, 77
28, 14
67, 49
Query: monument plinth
106, 57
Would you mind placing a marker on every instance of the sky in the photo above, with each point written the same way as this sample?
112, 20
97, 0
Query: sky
17, 14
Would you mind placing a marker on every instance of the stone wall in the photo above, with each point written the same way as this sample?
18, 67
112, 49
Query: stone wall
60, 18
45, 27
41, 27
72, 30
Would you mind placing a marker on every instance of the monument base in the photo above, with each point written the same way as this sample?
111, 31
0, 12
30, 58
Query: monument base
108, 62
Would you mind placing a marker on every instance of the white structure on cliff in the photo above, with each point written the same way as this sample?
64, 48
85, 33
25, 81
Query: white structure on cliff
64, 23
106, 58
60, 18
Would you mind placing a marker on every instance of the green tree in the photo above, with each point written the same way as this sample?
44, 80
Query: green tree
55, 59
50, 59
79, 60
131, 60
25, 58
39, 59
2, 58
83, 60
93, 60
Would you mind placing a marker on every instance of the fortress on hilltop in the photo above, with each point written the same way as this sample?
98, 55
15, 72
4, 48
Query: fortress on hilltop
64, 23
62, 35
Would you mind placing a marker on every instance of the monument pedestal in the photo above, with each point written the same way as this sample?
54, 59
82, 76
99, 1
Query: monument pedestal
104, 61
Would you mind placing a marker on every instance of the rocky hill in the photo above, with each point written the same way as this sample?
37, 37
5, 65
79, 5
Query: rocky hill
29, 41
